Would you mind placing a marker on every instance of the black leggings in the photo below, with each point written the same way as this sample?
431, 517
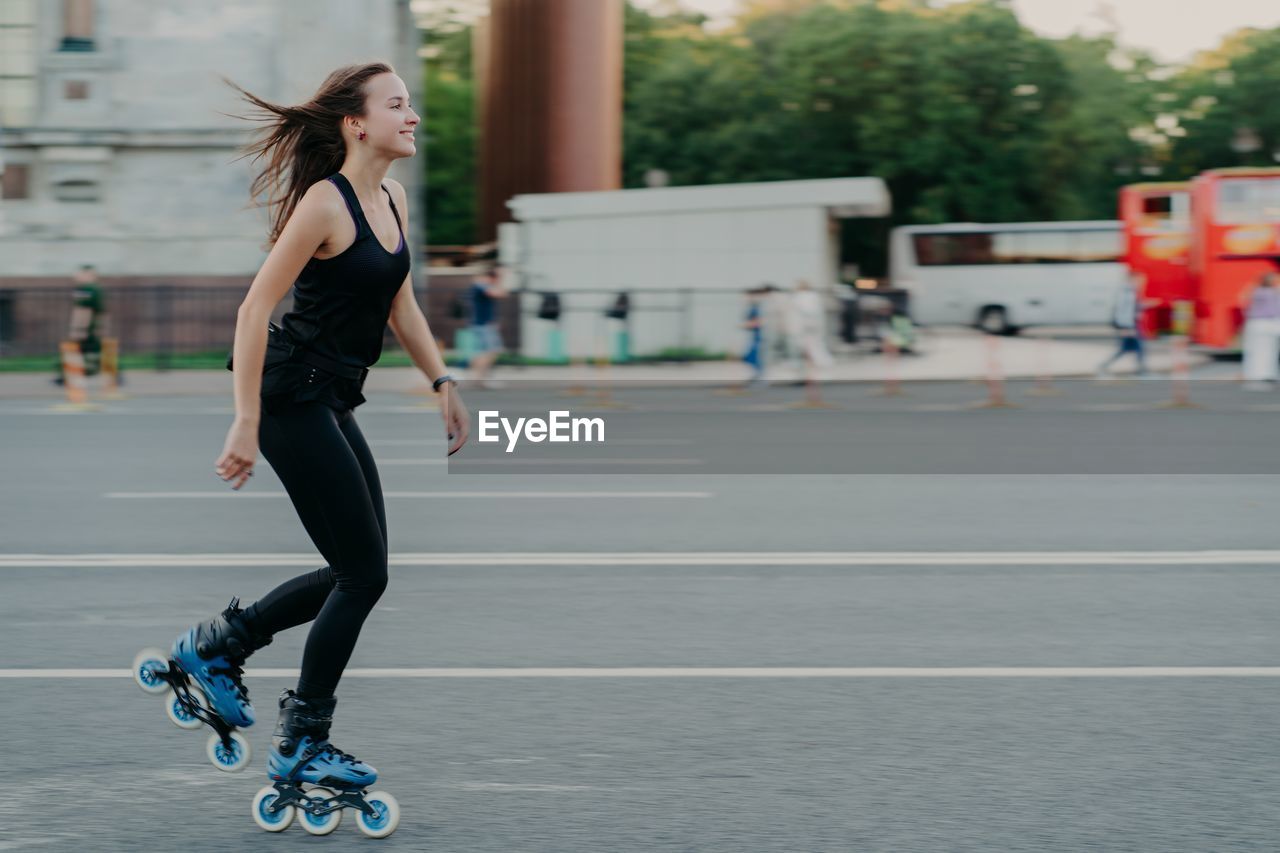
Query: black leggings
329, 473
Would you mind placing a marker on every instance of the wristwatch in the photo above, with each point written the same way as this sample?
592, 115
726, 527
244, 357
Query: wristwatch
435, 386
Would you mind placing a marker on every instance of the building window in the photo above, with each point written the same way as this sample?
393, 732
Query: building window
77, 25
17, 63
76, 90
76, 190
8, 319
13, 181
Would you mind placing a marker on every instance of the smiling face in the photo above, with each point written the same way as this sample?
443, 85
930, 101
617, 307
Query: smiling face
389, 121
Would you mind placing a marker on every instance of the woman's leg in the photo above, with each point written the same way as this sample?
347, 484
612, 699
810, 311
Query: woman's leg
364, 457
1254, 366
298, 600
1139, 352
310, 449
294, 602
1270, 358
1120, 350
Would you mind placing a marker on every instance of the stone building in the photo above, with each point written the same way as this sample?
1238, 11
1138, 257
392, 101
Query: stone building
114, 143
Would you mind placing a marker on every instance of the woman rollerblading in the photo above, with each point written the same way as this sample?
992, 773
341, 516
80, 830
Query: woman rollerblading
338, 240
301, 752
202, 677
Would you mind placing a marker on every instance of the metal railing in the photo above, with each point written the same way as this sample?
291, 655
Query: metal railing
165, 321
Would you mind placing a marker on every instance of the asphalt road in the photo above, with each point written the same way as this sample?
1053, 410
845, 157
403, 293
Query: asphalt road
770, 673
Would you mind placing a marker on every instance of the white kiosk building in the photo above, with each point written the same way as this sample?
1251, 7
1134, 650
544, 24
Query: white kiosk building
683, 254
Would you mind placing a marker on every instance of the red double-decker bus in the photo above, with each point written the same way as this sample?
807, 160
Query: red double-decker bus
1235, 238
1157, 231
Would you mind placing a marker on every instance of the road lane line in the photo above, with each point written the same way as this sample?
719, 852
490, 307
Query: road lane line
494, 495
846, 559
584, 460
721, 672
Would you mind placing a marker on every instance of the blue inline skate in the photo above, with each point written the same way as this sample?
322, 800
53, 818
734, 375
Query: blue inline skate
201, 678
301, 753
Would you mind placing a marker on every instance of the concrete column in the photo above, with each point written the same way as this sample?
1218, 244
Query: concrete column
551, 101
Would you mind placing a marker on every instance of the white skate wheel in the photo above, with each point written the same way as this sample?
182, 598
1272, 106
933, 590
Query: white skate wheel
387, 819
179, 715
232, 759
146, 666
271, 821
320, 824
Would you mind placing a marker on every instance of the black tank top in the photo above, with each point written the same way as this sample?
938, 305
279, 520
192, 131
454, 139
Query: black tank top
340, 311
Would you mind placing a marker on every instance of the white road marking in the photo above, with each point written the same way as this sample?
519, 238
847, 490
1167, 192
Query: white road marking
516, 495
724, 672
586, 460
648, 442
404, 442
388, 463
673, 558
416, 409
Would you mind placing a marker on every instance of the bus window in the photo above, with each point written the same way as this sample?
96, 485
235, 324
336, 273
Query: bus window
1243, 201
948, 250
1045, 247
1007, 248
1018, 247
1162, 213
932, 250
1098, 246
973, 249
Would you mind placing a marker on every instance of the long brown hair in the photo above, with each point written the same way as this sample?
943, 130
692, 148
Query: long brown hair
303, 144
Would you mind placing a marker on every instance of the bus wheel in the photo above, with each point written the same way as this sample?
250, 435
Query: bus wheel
994, 321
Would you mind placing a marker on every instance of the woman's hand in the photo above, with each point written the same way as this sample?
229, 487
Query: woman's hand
238, 453
457, 422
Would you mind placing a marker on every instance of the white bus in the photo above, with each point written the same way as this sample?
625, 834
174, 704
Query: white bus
1006, 276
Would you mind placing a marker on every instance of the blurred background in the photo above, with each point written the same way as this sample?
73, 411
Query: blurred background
896, 609
678, 152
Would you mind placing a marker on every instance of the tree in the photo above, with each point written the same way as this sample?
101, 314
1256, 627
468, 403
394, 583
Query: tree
450, 125
692, 103
1227, 110
1108, 136
965, 113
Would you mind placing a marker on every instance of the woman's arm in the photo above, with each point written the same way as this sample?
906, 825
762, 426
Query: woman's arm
407, 320
410, 327
308, 227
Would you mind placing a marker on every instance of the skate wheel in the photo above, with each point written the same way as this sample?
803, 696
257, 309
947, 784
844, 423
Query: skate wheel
179, 714
232, 759
387, 818
277, 821
319, 824
147, 666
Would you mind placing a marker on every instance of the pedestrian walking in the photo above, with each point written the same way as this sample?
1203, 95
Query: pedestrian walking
88, 317
810, 326
754, 324
1125, 319
1261, 304
486, 290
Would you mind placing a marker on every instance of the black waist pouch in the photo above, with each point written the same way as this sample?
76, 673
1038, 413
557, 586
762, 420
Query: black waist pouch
282, 350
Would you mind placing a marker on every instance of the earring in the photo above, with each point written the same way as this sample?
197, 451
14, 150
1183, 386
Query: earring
360, 136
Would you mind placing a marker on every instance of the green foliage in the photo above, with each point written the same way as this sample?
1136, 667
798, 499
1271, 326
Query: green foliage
1227, 109
965, 113
451, 133
1105, 138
